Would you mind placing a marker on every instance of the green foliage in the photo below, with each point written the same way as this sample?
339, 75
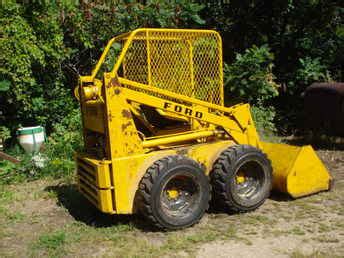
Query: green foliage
5, 85
44, 41
51, 244
249, 77
295, 30
57, 154
66, 137
94, 24
264, 119
311, 70
43, 45
31, 51
4, 133
52, 240
6, 170
64, 141
14, 173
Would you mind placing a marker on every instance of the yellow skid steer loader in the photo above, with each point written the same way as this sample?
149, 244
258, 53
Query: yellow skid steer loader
159, 140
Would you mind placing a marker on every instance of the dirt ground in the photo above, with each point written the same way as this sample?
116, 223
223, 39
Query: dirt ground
50, 218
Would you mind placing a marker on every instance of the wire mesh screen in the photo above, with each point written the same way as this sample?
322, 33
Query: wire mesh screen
187, 62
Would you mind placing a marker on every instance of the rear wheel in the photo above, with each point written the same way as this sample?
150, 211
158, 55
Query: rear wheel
241, 178
174, 193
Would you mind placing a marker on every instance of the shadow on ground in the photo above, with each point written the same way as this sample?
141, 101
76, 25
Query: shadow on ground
82, 210
280, 197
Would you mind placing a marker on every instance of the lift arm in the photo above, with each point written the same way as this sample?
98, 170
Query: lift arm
236, 121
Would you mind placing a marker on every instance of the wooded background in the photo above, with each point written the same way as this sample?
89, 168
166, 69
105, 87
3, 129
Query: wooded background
272, 51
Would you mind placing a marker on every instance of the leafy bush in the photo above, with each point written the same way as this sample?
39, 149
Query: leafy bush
311, 70
10, 172
66, 137
61, 145
6, 170
42, 42
4, 133
31, 53
56, 156
294, 30
264, 119
249, 78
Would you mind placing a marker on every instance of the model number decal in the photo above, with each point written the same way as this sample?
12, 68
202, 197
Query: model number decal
183, 110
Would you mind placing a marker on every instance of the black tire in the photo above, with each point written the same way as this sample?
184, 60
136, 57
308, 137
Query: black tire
182, 177
241, 178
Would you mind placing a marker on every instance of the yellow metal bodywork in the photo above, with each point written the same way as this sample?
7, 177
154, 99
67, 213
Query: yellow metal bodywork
178, 75
95, 182
129, 170
297, 170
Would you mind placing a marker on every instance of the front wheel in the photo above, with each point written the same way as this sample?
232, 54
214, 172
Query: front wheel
174, 193
241, 178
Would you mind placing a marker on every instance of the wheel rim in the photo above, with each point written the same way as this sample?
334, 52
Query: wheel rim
180, 196
249, 180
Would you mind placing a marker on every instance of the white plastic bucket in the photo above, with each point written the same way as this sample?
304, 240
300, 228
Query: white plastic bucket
31, 138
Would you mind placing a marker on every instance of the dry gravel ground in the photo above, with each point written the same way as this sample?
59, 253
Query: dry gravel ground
49, 218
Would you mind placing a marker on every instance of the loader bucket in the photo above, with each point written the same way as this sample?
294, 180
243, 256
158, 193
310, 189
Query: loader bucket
297, 170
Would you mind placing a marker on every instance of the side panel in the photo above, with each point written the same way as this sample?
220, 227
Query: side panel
128, 171
95, 182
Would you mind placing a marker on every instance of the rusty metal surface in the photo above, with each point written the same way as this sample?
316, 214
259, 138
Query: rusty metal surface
324, 108
10, 158
335, 87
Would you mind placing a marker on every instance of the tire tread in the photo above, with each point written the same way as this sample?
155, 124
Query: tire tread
148, 180
222, 170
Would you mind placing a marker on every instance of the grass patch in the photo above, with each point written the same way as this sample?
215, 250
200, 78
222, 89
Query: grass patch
339, 225
53, 240
297, 231
200, 238
125, 240
11, 217
15, 217
6, 195
50, 245
252, 219
326, 239
44, 195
